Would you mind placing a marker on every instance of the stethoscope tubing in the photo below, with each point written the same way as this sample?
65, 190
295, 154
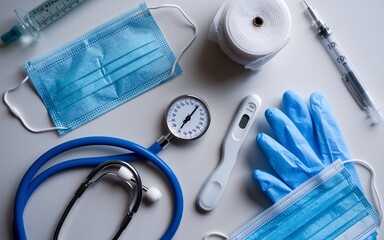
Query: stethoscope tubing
82, 162
28, 183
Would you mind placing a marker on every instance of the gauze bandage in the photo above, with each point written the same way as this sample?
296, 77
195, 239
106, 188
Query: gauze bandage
251, 32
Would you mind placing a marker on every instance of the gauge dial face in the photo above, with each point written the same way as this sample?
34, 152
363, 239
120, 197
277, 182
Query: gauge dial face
188, 117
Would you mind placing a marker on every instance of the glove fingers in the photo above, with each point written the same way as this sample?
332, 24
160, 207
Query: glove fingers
291, 138
273, 187
296, 110
290, 169
331, 142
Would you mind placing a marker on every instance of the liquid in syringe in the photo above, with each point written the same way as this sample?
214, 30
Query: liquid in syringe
32, 22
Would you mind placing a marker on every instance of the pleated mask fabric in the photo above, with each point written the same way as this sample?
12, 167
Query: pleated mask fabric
102, 69
327, 206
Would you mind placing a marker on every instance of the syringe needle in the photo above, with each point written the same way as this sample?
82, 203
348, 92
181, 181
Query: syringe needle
349, 76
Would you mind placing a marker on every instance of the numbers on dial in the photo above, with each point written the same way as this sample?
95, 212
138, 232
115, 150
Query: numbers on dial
188, 117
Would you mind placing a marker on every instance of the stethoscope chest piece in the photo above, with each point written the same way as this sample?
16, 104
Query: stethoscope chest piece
187, 118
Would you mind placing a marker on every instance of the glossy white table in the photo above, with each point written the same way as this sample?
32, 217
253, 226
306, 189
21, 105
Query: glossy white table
303, 65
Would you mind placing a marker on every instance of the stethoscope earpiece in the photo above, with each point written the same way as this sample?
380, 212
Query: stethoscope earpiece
152, 194
124, 174
128, 174
32, 180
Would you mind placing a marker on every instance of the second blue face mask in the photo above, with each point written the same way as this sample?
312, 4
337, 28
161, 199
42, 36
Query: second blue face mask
327, 206
102, 69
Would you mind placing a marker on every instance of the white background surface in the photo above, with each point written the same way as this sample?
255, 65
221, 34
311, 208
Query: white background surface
303, 65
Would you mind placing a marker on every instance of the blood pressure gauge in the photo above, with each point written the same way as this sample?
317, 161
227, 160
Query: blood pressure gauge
187, 117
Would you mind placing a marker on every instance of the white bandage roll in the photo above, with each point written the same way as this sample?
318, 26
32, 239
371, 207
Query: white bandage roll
251, 32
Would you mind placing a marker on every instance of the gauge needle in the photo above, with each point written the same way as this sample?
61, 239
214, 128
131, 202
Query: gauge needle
189, 117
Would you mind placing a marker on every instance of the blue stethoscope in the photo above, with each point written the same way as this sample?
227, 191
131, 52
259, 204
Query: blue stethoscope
187, 118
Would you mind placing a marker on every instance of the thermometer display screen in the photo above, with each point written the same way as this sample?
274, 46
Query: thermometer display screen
243, 121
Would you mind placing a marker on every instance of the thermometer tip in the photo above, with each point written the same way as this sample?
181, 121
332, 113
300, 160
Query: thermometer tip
306, 4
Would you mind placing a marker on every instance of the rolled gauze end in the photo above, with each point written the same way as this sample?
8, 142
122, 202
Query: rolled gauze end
251, 32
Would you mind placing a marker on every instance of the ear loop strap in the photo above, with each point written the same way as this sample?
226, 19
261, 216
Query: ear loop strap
192, 24
17, 113
216, 234
376, 197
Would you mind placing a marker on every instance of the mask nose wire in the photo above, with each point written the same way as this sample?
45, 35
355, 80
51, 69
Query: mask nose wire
17, 113
194, 27
376, 196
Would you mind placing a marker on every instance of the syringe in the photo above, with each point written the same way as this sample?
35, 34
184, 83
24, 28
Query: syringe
349, 75
38, 18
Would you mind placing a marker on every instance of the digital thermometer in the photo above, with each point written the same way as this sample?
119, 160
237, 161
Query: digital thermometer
214, 186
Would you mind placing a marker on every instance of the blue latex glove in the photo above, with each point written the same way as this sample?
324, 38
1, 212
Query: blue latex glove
308, 140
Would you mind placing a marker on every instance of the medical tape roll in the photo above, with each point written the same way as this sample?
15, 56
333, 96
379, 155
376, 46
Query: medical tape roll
251, 32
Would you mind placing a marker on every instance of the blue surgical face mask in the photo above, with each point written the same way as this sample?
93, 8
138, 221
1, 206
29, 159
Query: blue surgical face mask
327, 206
102, 69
